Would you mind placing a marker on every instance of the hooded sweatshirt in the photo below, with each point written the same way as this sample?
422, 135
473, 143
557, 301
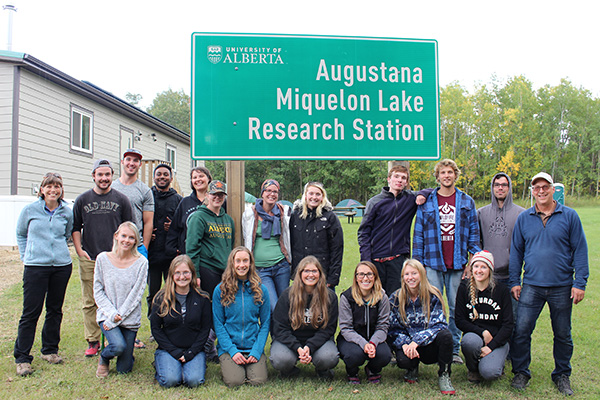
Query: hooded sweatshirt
209, 239
496, 227
165, 204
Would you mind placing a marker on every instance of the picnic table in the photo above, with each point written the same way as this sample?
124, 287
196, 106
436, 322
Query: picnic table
349, 212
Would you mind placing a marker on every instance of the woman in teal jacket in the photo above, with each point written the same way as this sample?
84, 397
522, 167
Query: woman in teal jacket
43, 229
241, 317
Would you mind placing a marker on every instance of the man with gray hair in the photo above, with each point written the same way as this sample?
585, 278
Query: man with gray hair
549, 239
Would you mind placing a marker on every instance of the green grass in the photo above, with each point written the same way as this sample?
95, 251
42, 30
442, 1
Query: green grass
75, 379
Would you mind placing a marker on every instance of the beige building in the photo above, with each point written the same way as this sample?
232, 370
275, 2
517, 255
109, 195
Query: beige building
52, 122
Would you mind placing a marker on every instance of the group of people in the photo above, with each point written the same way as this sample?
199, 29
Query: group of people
237, 296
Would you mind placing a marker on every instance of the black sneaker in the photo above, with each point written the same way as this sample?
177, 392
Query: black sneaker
325, 374
520, 381
563, 384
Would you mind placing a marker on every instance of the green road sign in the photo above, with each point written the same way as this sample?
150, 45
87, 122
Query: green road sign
314, 97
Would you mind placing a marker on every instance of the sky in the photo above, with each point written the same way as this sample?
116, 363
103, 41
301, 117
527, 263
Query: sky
143, 47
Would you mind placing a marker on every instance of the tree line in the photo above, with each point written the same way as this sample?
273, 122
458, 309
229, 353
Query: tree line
507, 127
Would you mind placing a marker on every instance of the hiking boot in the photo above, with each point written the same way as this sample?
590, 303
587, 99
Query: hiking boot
473, 377
412, 375
354, 380
563, 384
520, 381
24, 369
445, 384
52, 358
92, 349
456, 359
291, 373
372, 377
102, 371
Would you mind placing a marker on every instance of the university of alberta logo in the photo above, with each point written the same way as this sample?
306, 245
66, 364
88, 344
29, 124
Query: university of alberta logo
215, 54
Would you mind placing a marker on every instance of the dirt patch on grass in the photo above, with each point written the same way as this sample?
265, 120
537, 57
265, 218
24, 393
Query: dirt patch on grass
11, 268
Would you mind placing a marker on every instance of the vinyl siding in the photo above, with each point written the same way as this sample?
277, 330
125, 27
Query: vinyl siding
44, 137
6, 99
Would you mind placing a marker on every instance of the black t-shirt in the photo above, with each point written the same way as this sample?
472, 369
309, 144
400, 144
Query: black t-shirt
97, 217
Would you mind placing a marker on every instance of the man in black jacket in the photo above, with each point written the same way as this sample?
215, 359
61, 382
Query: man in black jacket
384, 232
166, 200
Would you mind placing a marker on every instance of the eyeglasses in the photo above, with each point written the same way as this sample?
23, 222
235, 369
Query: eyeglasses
311, 272
362, 275
545, 188
269, 191
184, 273
503, 185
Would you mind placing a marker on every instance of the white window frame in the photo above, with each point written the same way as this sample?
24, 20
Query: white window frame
171, 155
82, 114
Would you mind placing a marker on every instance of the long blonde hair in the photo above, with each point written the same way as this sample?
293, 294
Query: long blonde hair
304, 203
319, 305
473, 291
165, 297
229, 280
136, 232
425, 292
376, 291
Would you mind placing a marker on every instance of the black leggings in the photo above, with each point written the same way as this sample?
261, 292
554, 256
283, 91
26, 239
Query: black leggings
209, 279
439, 351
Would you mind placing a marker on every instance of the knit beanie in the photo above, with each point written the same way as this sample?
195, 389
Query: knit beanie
485, 257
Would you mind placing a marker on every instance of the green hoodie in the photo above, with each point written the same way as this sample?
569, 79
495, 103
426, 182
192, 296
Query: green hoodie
209, 239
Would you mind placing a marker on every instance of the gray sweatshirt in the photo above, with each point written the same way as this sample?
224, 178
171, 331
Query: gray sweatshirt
119, 291
496, 227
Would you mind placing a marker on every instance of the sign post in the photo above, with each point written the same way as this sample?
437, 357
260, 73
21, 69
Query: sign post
314, 97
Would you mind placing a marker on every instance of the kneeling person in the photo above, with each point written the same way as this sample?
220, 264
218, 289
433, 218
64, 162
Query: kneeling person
180, 321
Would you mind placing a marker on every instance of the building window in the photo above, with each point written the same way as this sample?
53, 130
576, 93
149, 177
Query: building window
172, 156
82, 126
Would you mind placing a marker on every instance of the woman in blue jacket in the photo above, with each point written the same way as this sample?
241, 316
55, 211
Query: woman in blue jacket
43, 229
241, 314
181, 319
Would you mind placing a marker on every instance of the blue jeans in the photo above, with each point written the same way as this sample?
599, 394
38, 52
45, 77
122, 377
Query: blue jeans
448, 282
531, 302
515, 305
172, 372
490, 366
284, 359
120, 345
276, 279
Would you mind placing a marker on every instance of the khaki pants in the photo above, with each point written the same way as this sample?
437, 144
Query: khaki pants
236, 375
90, 327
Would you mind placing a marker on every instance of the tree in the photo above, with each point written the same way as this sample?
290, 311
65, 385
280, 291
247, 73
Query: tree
173, 108
133, 98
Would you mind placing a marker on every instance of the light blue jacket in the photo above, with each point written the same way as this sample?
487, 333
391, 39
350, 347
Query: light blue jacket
237, 326
42, 238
